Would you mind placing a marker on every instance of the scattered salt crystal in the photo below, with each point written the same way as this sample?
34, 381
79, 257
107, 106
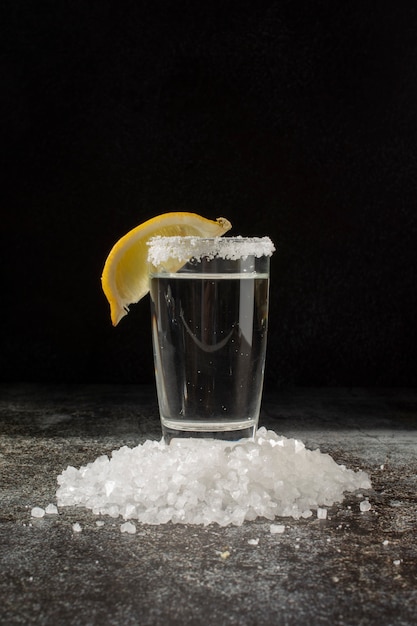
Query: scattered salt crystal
276, 528
204, 481
321, 513
397, 562
76, 527
365, 505
381, 467
385, 542
37, 511
100, 523
128, 527
253, 542
51, 509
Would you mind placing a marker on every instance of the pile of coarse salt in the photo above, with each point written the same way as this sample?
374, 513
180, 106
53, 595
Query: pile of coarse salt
200, 481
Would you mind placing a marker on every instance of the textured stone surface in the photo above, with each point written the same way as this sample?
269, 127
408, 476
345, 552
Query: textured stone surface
352, 568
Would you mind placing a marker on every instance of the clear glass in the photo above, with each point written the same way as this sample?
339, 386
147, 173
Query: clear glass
209, 330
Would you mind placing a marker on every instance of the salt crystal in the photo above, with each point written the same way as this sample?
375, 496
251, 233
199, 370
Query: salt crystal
100, 523
205, 481
253, 542
184, 248
109, 486
276, 529
321, 513
76, 527
128, 527
113, 511
365, 505
298, 446
385, 542
37, 511
51, 509
397, 562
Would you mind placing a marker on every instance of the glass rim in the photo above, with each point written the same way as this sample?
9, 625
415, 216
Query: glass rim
162, 248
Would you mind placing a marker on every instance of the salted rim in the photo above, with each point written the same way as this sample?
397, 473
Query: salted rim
184, 248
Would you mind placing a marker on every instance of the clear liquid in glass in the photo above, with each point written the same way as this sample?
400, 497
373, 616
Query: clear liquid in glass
209, 336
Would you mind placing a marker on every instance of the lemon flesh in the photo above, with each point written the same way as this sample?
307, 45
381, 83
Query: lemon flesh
125, 278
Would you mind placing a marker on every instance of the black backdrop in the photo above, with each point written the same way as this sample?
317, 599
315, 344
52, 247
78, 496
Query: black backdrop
293, 119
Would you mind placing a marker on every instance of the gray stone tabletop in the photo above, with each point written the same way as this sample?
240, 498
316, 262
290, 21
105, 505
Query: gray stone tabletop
353, 568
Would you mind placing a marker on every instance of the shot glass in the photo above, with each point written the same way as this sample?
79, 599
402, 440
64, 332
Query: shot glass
209, 311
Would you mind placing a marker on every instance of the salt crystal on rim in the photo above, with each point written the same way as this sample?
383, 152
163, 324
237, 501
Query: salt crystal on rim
185, 248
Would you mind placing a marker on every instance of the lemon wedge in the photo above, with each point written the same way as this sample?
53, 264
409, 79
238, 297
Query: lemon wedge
125, 274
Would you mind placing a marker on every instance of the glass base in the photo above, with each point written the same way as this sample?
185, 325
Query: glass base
221, 431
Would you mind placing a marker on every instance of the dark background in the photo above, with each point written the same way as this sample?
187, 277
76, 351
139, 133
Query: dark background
293, 119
